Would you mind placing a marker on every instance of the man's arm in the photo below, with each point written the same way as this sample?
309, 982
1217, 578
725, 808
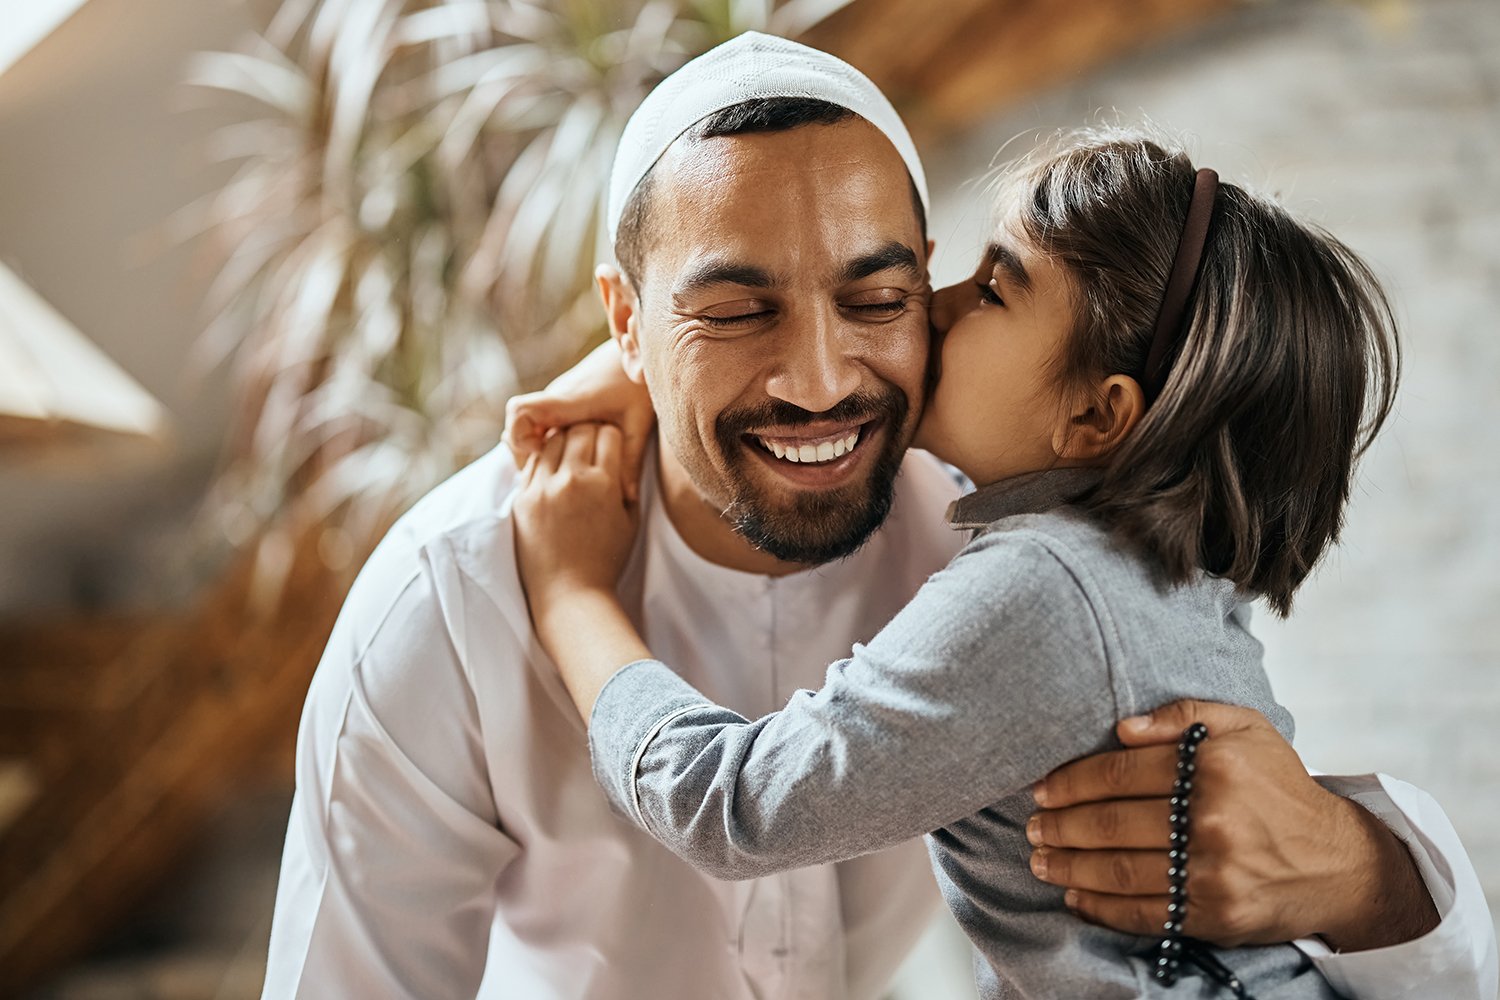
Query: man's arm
1273, 857
393, 846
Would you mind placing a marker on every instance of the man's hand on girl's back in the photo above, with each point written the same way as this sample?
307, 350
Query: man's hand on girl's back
1274, 856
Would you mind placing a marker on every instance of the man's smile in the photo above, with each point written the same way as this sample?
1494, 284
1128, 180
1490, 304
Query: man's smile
818, 455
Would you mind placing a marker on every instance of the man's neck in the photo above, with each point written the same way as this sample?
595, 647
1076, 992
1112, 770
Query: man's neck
703, 527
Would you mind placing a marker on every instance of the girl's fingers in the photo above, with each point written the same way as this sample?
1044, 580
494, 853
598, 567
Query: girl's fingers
550, 458
521, 437
526, 425
531, 416
578, 451
636, 434
608, 444
536, 408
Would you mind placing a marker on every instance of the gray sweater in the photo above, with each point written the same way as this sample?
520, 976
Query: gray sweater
1017, 657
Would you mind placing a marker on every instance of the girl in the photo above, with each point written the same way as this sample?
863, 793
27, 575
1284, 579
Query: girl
1159, 386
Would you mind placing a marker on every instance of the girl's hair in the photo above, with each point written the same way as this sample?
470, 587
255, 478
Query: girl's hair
1286, 369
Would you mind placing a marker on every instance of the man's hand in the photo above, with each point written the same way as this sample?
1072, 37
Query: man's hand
1272, 856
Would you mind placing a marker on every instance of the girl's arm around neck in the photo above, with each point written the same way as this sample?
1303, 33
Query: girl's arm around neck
590, 637
993, 675
573, 533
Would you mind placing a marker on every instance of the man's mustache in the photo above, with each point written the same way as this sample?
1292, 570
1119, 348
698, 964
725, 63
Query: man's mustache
859, 407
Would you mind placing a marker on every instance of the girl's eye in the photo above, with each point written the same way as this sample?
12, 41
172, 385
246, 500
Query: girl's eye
988, 294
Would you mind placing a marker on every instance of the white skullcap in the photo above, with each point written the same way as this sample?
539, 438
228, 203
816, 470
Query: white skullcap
746, 68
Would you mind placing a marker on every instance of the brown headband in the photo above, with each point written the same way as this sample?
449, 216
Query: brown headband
1181, 282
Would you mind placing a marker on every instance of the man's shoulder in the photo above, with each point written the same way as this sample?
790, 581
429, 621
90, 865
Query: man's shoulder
415, 641
473, 497
454, 538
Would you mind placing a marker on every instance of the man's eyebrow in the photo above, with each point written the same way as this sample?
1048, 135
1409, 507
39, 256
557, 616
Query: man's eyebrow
1001, 256
723, 272
892, 255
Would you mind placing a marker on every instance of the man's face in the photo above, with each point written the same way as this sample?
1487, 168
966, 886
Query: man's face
783, 329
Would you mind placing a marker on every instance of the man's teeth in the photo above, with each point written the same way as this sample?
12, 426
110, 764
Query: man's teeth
812, 453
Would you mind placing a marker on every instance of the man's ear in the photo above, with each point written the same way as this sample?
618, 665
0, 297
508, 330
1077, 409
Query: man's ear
1099, 419
622, 309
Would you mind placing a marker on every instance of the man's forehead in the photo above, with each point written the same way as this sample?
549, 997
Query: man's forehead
755, 198
852, 152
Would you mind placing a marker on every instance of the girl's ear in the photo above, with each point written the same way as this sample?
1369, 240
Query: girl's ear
622, 311
1099, 419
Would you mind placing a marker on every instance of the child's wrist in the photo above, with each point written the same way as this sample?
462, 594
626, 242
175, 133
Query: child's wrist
564, 599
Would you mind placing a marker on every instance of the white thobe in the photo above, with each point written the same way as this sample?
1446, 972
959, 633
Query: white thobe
447, 838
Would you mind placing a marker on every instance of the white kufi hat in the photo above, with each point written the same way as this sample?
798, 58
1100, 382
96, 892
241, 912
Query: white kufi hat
748, 67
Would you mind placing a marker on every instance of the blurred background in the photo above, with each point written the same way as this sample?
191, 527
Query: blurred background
269, 270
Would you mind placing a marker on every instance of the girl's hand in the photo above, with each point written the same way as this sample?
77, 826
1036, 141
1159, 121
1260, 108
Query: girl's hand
574, 530
595, 389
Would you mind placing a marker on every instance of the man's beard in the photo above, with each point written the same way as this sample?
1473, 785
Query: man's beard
817, 526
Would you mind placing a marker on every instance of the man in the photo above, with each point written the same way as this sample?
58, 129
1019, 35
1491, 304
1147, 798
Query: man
447, 836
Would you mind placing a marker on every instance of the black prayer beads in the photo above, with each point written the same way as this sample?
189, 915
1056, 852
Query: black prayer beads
1174, 948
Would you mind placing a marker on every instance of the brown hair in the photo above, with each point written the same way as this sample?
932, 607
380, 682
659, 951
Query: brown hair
1285, 370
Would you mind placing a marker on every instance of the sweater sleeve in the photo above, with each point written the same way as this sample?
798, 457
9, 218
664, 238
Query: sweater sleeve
994, 674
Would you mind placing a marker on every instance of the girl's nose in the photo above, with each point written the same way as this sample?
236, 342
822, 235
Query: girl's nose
948, 304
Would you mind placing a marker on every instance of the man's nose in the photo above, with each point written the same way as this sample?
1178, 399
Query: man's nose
818, 370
